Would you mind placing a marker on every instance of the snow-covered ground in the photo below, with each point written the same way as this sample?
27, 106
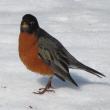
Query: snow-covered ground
83, 26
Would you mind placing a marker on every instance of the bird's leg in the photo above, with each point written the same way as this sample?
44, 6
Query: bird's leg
46, 89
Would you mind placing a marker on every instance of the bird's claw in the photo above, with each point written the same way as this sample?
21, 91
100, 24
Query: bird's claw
43, 90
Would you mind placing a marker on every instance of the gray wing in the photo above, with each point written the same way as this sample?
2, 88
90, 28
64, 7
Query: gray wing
54, 55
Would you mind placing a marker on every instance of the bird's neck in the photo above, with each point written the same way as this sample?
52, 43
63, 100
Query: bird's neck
26, 41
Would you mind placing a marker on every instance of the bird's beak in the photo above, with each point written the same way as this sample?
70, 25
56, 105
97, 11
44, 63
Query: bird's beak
24, 25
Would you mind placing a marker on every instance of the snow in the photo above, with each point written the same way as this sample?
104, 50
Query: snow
83, 26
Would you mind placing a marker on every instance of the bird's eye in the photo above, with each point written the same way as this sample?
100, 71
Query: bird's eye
32, 23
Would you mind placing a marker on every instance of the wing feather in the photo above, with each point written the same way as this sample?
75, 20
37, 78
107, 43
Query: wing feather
55, 55
52, 54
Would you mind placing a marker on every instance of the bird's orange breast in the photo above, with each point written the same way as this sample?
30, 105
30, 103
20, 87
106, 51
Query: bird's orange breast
28, 52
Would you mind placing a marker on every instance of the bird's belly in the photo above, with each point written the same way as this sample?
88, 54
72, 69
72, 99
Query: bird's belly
28, 53
35, 64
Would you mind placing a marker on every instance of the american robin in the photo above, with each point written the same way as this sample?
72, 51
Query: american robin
42, 53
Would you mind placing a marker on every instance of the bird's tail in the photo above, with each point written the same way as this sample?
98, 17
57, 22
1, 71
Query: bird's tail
88, 69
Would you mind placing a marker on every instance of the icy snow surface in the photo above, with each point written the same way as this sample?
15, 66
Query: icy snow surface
83, 26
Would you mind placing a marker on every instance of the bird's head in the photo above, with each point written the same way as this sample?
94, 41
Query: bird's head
29, 24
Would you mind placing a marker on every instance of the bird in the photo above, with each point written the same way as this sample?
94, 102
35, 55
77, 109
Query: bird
41, 53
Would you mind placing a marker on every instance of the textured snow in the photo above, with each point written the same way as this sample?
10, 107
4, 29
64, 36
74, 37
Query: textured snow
83, 26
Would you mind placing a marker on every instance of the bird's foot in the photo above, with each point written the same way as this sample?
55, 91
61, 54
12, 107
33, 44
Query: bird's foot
43, 90
46, 89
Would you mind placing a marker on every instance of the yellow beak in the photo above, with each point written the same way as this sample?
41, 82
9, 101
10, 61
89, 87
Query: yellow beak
24, 25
